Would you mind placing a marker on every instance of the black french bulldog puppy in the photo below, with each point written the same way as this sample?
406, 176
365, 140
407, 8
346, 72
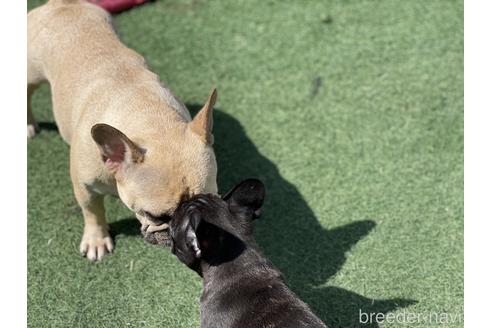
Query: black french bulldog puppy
241, 288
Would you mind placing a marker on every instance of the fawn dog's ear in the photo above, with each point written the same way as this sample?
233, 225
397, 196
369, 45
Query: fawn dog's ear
202, 123
246, 198
115, 147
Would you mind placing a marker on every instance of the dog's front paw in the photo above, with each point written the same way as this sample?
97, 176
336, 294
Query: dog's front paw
32, 129
96, 243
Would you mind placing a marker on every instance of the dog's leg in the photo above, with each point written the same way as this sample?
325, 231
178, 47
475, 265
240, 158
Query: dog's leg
35, 77
96, 241
32, 126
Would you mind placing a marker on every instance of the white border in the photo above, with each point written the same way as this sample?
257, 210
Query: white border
13, 241
478, 164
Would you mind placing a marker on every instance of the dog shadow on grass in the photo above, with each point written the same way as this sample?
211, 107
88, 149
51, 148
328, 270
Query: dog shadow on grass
289, 233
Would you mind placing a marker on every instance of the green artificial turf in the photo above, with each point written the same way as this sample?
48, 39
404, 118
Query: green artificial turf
352, 114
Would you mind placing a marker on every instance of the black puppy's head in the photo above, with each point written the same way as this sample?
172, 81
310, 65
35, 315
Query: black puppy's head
207, 227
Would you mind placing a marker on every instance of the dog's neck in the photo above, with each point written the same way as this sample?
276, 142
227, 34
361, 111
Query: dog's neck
240, 262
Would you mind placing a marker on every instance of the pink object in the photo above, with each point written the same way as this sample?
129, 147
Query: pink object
115, 6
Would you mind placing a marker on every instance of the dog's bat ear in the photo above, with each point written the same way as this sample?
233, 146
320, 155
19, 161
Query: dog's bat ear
115, 147
247, 197
201, 237
191, 235
202, 123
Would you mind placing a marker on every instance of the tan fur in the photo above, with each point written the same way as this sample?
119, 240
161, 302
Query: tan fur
95, 79
202, 123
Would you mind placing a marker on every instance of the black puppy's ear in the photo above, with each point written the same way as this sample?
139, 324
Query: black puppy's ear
247, 197
201, 237
191, 235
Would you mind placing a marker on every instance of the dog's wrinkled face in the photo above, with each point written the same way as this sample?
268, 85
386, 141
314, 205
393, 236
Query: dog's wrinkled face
154, 188
214, 229
168, 174
155, 172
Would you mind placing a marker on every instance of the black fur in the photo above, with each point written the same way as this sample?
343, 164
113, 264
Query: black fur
214, 237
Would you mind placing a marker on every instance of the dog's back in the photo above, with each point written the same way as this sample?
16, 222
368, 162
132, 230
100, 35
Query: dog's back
72, 44
254, 295
58, 30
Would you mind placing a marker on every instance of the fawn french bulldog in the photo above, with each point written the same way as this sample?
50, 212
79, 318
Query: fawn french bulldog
241, 288
128, 134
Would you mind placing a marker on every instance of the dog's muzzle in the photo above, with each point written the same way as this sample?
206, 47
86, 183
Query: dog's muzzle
158, 237
156, 233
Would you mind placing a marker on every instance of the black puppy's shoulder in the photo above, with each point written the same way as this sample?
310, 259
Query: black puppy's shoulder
255, 295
